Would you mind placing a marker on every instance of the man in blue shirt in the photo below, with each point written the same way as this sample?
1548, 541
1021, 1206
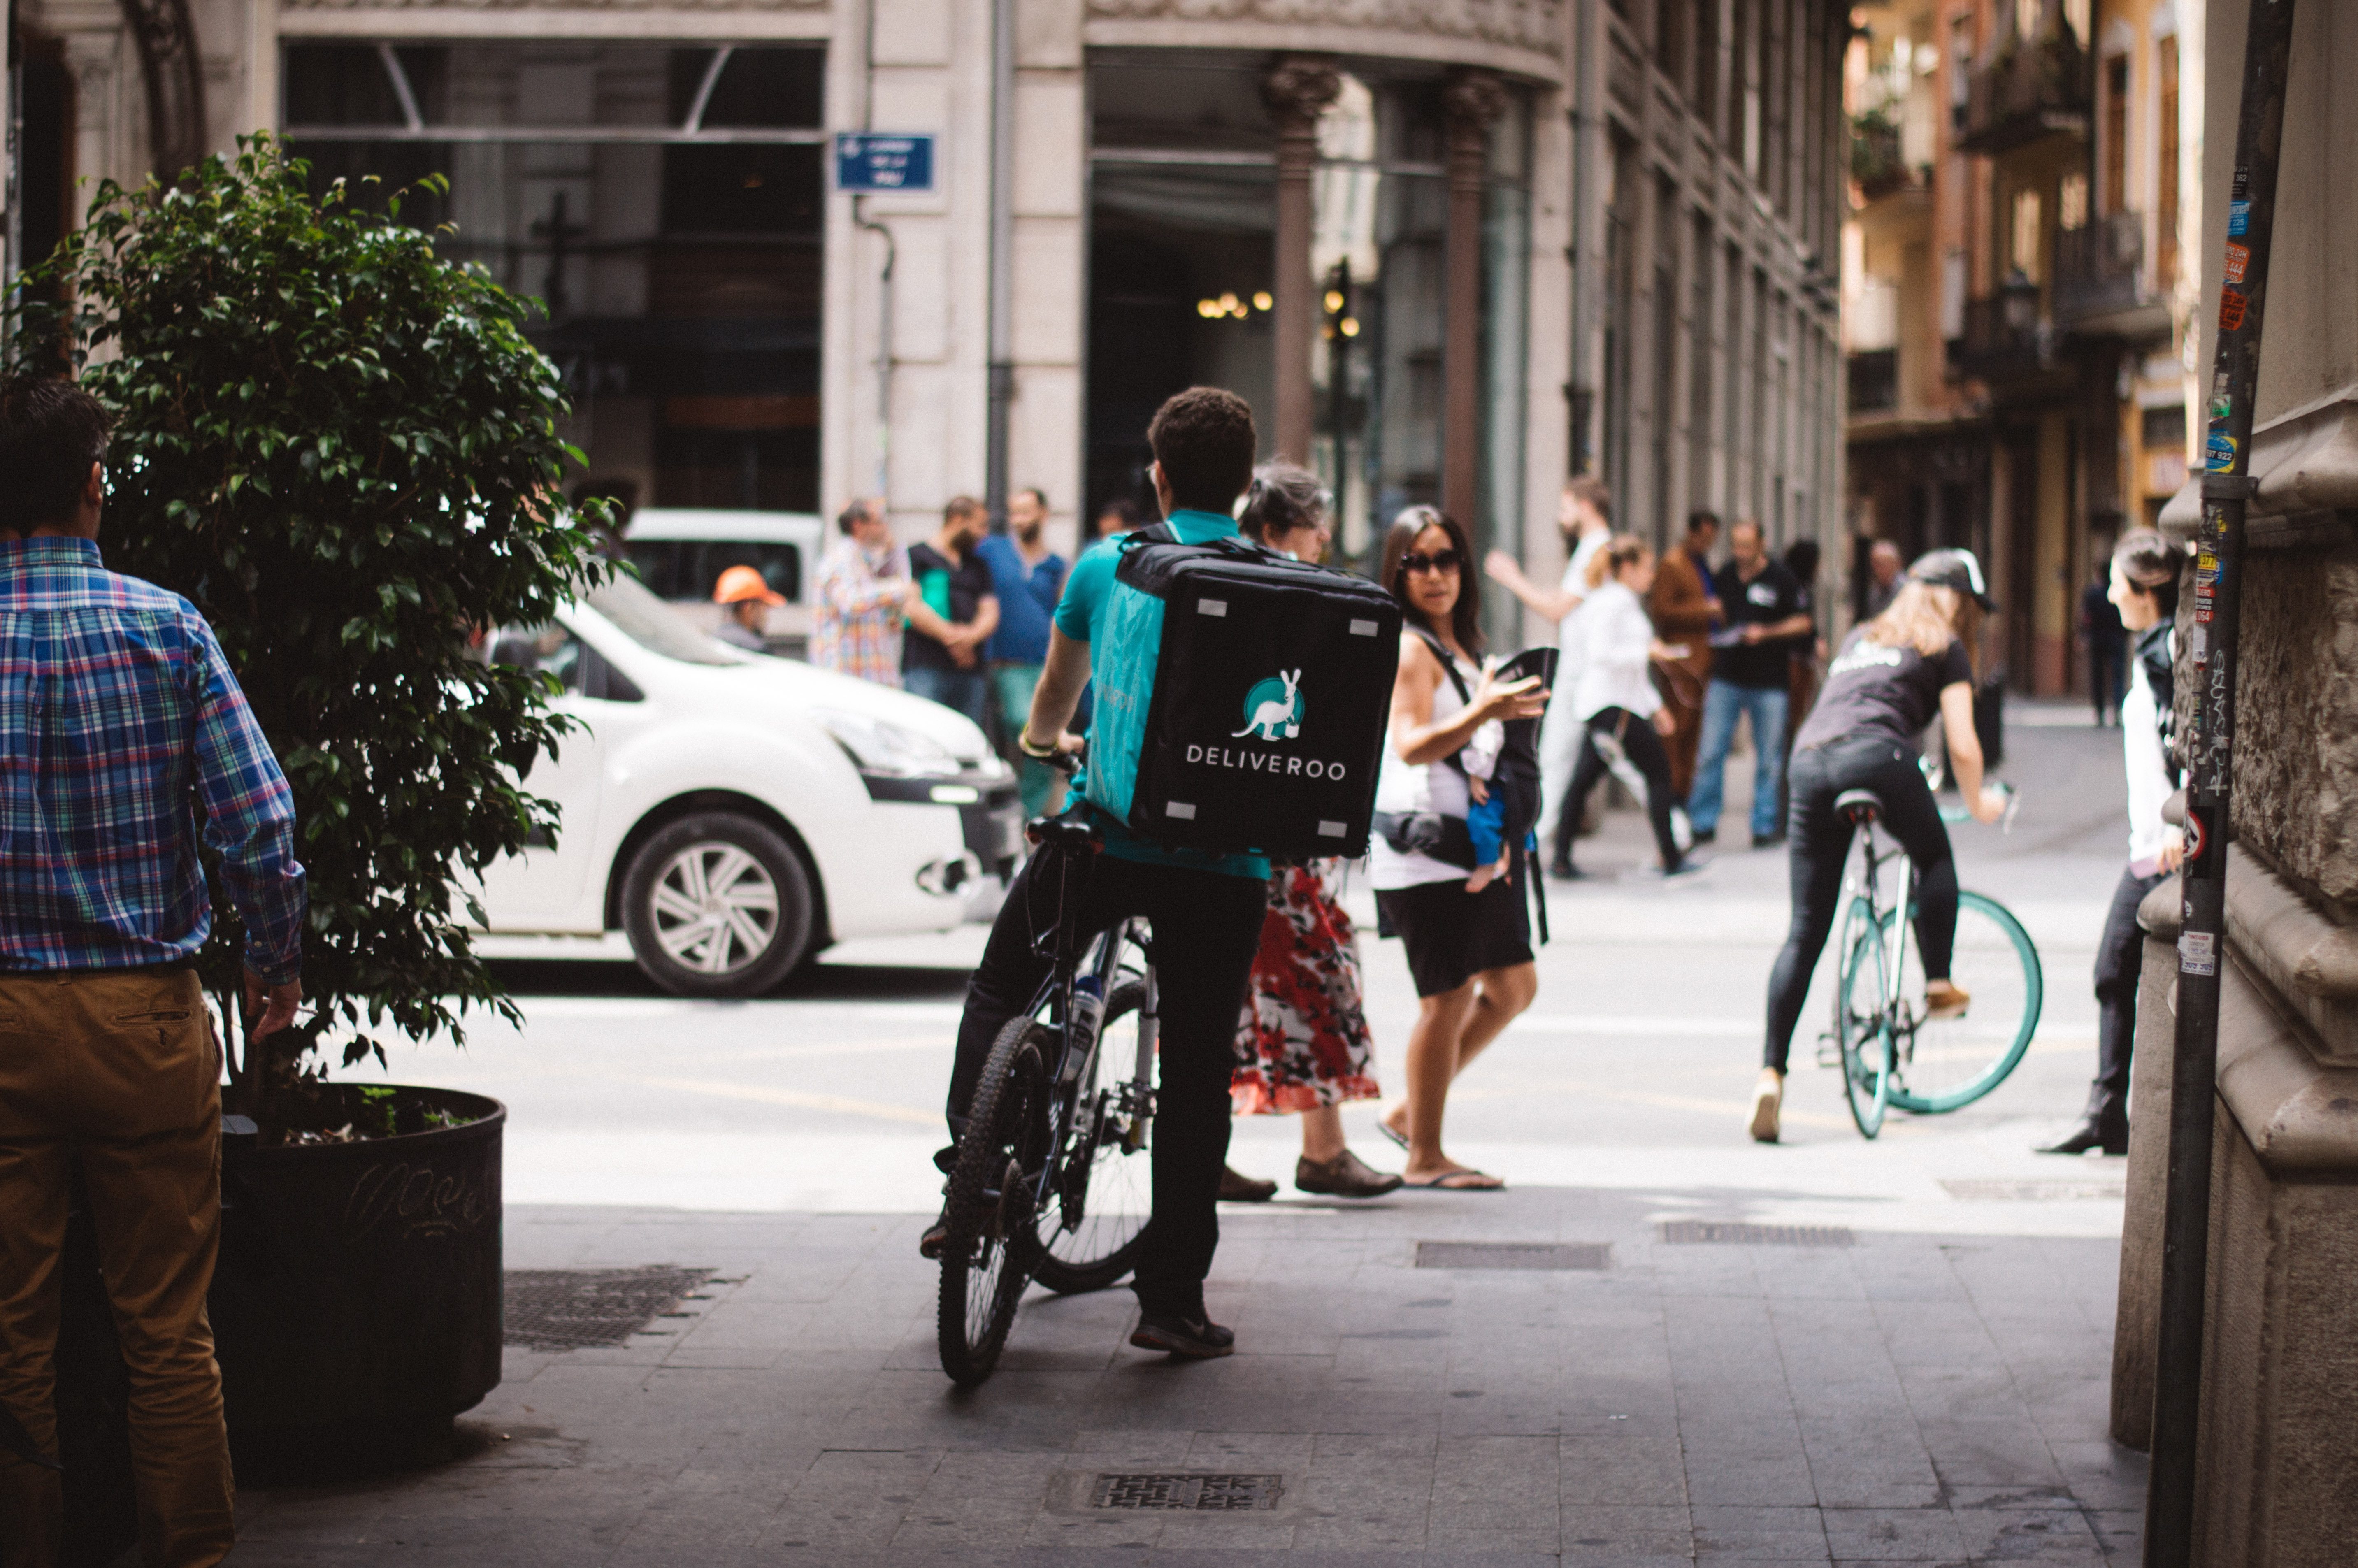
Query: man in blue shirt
1028, 577
1206, 909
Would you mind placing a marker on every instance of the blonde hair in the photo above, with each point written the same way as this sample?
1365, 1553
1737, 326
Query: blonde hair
1926, 616
1615, 553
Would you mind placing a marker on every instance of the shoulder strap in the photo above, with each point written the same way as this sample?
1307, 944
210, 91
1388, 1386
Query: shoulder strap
1448, 665
1152, 534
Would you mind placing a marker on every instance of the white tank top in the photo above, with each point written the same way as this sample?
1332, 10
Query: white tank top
1429, 786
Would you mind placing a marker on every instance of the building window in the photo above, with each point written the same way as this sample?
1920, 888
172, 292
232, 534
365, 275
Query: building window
1707, 66
2024, 251
2165, 206
1666, 349
2116, 135
663, 203
1701, 367
1620, 303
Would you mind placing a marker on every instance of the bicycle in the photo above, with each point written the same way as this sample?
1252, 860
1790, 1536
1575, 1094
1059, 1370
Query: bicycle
1890, 1054
1052, 1179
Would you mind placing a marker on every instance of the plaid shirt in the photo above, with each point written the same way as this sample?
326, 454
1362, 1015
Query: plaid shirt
119, 719
859, 614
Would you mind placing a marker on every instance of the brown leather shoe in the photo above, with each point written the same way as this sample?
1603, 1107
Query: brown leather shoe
1344, 1176
1244, 1189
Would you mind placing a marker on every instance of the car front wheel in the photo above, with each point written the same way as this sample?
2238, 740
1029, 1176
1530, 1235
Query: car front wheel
717, 905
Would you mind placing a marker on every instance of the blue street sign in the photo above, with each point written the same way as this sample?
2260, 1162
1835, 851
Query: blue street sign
871, 161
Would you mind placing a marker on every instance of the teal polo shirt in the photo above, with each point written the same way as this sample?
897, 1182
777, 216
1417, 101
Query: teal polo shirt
1078, 615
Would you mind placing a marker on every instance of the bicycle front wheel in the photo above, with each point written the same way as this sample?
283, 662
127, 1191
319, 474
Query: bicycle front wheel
1093, 1225
1862, 1018
989, 1252
1956, 1061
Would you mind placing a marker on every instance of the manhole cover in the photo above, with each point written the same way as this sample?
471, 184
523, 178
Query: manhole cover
1198, 1492
1734, 1233
1513, 1255
2030, 1191
574, 1309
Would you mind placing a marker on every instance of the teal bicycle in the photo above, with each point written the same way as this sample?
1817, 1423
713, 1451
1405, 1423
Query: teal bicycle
1890, 1053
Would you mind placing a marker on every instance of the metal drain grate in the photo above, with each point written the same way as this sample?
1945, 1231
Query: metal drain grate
1513, 1255
575, 1309
2031, 1191
1734, 1233
1198, 1492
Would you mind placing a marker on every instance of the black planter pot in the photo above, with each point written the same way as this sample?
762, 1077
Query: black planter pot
356, 1306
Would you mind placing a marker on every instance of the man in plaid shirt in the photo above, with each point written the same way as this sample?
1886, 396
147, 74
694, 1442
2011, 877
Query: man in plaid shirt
120, 725
862, 585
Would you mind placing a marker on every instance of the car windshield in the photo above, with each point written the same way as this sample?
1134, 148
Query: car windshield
655, 625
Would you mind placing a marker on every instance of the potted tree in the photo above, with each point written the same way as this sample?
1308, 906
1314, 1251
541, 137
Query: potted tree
345, 452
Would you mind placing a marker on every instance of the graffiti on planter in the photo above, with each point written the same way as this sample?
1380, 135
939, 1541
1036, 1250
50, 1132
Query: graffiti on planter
410, 1202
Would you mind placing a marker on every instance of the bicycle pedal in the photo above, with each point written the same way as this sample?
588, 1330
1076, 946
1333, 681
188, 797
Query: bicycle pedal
1829, 1052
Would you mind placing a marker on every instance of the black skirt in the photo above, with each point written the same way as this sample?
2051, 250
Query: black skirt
1453, 935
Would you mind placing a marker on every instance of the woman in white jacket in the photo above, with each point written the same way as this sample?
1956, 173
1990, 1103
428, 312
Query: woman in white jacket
1615, 698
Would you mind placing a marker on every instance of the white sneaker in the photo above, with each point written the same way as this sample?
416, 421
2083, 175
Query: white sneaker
1768, 1099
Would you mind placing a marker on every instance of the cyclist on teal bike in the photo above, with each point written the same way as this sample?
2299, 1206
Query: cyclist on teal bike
1893, 673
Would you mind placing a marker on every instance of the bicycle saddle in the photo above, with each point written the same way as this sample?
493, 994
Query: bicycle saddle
1858, 806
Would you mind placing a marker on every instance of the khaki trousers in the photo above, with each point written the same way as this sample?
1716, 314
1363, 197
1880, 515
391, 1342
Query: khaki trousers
117, 1074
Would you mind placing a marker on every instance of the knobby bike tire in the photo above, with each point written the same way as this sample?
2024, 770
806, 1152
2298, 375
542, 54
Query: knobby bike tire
2004, 1061
1094, 1254
989, 1251
1862, 1019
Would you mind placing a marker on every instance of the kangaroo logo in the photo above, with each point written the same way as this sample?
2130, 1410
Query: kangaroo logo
1273, 708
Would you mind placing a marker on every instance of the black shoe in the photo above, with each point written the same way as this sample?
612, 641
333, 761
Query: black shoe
1561, 869
1705, 836
1767, 840
2103, 1125
1197, 1338
1234, 1188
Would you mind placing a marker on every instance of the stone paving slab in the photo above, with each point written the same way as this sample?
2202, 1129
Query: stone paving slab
1917, 1399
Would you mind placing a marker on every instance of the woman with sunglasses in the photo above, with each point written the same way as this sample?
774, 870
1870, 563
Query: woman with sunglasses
1303, 1044
1468, 951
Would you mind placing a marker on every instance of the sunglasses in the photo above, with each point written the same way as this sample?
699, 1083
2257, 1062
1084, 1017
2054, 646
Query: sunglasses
1439, 561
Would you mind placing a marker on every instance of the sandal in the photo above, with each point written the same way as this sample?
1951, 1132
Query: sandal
1399, 1139
1463, 1181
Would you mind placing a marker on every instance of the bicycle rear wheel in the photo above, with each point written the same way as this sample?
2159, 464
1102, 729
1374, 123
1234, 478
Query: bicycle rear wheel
1862, 1019
989, 1252
1956, 1061
1093, 1226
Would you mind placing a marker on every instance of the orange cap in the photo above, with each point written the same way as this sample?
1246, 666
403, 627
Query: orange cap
741, 583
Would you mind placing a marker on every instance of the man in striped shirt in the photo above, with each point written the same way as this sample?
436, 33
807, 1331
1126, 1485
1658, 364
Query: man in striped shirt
125, 742
863, 584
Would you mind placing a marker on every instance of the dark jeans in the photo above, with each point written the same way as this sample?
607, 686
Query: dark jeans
2120, 957
1645, 749
1207, 929
961, 690
1821, 844
2109, 669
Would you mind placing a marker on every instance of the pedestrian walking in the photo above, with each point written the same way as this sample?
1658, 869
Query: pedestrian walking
1894, 674
745, 601
1468, 952
1684, 610
2104, 632
863, 582
122, 729
1616, 700
1884, 578
1751, 671
1584, 515
1304, 1046
951, 609
1027, 578
1205, 909
2144, 589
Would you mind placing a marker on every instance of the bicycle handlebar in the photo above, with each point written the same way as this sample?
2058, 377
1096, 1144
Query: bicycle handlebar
1962, 813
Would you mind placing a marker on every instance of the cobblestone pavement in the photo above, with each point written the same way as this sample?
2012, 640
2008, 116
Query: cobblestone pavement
1931, 1391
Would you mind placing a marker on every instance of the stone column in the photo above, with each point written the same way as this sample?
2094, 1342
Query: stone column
1473, 100
1297, 90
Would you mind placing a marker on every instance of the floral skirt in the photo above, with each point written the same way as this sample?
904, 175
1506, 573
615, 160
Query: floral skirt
1304, 1040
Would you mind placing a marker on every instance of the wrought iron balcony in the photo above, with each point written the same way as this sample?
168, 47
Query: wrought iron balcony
1875, 160
1873, 381
2030, 89
2100, 268
2004, 341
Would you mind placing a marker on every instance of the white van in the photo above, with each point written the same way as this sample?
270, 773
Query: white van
680, 552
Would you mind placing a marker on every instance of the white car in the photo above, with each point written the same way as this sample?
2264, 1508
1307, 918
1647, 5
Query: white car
681, 551
735, 813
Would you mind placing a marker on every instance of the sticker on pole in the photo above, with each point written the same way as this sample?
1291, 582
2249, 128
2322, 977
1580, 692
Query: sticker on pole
2239, 257
2230, 310
2239, 219
2198, 953
2219, 451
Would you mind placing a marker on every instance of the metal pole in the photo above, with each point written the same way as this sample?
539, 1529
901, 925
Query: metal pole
1002, 258
2227, 485
12, 183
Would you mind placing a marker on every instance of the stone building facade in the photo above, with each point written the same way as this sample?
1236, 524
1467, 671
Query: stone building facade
1453, 250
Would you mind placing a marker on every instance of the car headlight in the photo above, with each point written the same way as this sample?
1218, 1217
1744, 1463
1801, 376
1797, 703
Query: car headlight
879, 746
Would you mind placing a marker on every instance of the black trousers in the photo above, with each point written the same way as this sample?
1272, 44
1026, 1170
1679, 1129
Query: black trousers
1820, 843
1207, 929
1643, 748
2120, 959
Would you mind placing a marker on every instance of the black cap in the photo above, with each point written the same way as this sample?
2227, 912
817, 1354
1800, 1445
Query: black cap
1953, 568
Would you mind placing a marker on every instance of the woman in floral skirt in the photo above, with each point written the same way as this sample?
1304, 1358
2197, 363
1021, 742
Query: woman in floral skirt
1302, 1046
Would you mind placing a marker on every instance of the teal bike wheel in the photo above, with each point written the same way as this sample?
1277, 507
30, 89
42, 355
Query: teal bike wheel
1953, 1062
1862, 1022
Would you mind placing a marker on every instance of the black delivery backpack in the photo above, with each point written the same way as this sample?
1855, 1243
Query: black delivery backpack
1241, 699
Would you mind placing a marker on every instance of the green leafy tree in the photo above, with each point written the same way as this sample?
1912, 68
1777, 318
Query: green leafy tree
344, 451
